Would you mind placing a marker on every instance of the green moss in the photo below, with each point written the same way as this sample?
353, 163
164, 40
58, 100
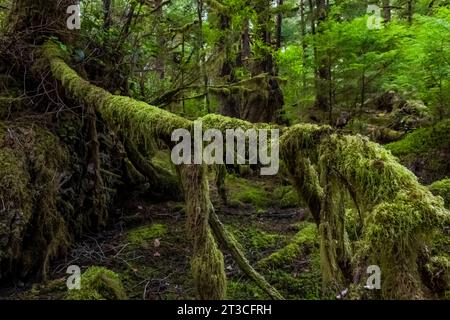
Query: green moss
422, 140
438, 270
446, 295
245, 290
255, 239
399, 214
306, 238
143, 236
162, 160
304, 285
286, 197
442, 188
98, 283
243, 192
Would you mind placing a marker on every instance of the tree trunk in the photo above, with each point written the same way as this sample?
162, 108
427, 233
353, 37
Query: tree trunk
387, 11
323, 76
35, 19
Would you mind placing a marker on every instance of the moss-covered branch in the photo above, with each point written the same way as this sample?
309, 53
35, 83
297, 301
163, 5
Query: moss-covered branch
230, 243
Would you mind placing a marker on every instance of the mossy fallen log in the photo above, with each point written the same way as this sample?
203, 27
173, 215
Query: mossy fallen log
143, 124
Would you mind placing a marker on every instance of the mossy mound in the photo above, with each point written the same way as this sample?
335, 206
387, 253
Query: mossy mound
426, 151
32, 230
143, 236
98, 283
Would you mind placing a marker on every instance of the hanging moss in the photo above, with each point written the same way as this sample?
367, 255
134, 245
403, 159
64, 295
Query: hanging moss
298, 146
398, 212
98, 283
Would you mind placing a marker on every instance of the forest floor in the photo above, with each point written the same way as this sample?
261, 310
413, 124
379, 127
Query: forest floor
149, 250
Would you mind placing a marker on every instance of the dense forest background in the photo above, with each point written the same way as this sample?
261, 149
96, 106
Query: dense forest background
360, 91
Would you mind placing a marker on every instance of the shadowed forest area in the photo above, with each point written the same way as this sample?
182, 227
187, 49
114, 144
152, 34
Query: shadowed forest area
91, 93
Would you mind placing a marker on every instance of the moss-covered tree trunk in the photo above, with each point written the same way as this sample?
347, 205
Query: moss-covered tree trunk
207, 261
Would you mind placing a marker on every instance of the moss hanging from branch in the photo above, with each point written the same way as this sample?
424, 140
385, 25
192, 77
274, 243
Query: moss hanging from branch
399, 214
298, 148
331, 172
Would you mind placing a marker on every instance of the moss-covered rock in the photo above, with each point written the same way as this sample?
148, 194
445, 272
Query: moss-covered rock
426, 151
98, 283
